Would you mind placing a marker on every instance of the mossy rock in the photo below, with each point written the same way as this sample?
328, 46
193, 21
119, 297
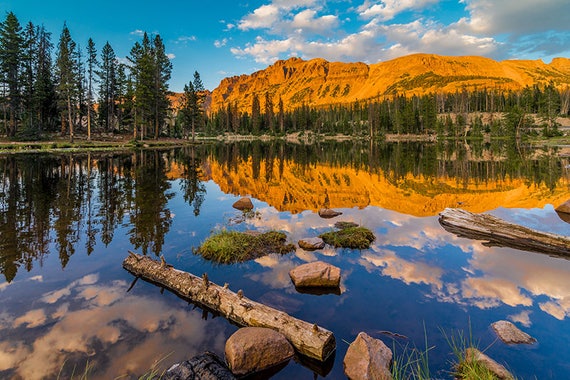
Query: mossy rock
344, 225
349, 237
228, 247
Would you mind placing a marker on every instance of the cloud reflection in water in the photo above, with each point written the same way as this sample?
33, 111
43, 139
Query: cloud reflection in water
118, 333
487, 277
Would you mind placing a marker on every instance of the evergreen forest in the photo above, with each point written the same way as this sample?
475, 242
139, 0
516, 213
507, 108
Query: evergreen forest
54, 86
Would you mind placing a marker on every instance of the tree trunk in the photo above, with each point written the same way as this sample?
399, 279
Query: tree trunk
497, 232
308, 339
70, 121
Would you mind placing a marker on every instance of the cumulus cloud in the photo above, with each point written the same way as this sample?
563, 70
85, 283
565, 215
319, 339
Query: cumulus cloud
380, 30
388, 9
221, 43
137, 32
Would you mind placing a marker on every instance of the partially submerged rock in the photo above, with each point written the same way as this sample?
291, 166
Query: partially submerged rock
243, 204
474, 355
206, 366
351, 237
563, 211
367, 358
315, 274
228, 247
511, 334
343, 225
254, 349
311, 244
328, 213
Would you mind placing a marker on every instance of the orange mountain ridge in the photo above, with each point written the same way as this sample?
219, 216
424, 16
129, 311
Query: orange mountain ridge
319, 83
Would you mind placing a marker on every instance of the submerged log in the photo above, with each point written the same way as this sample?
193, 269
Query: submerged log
497, 232
307, 338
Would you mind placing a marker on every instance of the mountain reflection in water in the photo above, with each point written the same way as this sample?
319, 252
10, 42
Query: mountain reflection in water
68, 220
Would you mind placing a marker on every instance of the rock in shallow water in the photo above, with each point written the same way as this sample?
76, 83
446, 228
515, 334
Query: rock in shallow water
315, 274
511, 334
367, 358
473, 354
243, 204
254, 349
311, 244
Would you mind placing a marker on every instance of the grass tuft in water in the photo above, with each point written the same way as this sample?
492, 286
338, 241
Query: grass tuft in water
349, 237
465, 366
228, 247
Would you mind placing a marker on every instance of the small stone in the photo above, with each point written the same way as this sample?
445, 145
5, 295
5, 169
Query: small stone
311, 244
315, 274
511, 334
243, 204
367, 358
327, 213
253, 349
473, 354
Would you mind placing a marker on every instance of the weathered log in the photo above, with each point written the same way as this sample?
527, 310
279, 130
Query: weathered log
497, 232
307, 338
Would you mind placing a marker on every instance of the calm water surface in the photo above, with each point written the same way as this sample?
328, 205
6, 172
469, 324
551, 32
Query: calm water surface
67, 222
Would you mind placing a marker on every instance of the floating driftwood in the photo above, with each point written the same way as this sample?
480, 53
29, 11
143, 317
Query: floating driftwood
308, 339
497, 232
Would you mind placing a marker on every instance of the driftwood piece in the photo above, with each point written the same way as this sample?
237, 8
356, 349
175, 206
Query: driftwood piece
497, 232
307, 338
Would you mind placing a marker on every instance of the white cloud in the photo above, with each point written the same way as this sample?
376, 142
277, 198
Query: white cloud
171, 55
307, 21
137, 32
388, 9
263, 17
186, 39
220, 43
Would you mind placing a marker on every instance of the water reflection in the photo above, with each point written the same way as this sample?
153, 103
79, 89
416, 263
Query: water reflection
67, 221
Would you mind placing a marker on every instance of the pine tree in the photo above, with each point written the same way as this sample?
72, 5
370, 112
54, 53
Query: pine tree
162, 73
107, 87
11, 52
92, 65
44, 86
29, 74
67, 71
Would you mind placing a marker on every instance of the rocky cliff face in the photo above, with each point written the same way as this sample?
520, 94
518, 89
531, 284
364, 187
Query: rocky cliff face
319, 83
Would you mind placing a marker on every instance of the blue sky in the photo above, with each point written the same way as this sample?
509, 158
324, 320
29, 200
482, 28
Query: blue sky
225, 38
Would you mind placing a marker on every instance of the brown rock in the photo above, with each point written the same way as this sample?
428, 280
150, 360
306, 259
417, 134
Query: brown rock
310, 244
367, 358
564, 207
328, 213
473, 354
315, 274
253, 349
510, 334
243, 204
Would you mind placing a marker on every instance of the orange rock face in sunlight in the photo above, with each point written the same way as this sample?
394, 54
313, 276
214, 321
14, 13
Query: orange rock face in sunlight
318, 82
298, 189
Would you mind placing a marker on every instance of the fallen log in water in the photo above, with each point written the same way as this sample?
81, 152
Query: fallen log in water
497, 232
308, 339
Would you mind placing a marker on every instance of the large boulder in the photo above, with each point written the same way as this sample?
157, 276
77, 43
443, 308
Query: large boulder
206, 366
315, 274
367, 358
311, 244
327, 213
254, 349
474, 355
510, 334
243, 204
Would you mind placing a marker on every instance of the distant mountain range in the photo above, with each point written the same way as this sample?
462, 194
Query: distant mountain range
318, 82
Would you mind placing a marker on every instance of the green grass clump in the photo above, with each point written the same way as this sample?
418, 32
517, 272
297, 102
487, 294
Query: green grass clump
350, 237
228, 247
